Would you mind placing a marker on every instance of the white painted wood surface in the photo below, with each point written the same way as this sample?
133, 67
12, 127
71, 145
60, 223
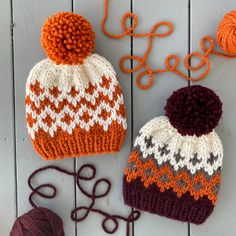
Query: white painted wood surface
7, 140
148, 104
28, 18
222, 80
201, 17
109, 166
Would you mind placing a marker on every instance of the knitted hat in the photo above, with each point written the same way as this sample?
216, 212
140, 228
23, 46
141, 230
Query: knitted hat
174, 169
74, 103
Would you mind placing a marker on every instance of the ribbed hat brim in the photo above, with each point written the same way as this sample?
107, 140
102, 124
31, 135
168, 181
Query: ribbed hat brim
151, 199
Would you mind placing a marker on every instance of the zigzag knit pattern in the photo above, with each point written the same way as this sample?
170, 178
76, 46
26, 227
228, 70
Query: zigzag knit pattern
174, 175
75, 110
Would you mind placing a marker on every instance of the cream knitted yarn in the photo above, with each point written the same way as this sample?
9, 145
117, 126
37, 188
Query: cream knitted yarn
159, 139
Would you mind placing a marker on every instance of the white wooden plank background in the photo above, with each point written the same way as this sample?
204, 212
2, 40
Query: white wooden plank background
222, 80
192, 19
29, 17
110, 166
148, 104
7, 140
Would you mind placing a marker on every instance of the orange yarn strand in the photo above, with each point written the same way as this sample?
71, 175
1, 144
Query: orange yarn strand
171, 61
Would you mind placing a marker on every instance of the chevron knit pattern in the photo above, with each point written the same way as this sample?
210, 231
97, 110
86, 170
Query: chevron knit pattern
75, 110
174, 175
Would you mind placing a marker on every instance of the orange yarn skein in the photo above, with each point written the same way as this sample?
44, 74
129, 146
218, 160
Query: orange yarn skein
226, 34
171, 61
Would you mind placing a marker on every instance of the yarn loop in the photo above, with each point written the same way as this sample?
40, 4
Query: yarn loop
50, 222
226, 39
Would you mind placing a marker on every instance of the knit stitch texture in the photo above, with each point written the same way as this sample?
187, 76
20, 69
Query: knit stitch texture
74, 103
173, 175
75, 110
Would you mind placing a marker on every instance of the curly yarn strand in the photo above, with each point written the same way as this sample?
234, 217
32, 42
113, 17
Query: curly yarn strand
41, 221
226, 38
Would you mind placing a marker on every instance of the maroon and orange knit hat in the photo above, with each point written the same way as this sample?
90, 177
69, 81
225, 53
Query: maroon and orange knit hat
74, 103
174, 169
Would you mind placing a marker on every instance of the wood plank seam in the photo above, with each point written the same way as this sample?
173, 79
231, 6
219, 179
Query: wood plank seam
132, 84
189, 72
14, 104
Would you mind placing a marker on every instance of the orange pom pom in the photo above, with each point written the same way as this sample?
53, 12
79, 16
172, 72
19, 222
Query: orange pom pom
67, 38
226, 34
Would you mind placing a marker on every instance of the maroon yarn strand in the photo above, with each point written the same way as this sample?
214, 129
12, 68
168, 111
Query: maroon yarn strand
93, 195
43, 186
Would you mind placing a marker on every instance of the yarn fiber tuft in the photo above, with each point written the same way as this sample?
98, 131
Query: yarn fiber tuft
67, 38
194, 110
226, 33
38, 222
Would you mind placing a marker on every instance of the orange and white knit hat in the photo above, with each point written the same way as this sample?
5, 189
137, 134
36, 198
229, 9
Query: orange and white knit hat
74, 103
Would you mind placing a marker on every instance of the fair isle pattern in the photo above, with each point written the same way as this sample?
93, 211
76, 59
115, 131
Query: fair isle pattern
74, 100
66, 80
165, 178
64, 77
185, 164
158, 138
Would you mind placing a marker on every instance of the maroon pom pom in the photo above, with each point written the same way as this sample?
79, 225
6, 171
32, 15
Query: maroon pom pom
38, 222
194, 110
